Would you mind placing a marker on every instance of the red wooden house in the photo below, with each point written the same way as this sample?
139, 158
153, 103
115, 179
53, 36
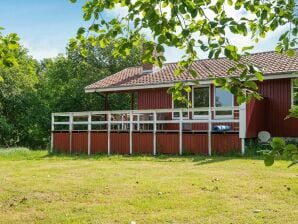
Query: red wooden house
213, 124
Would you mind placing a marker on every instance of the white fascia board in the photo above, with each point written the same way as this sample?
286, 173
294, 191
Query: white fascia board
166, 85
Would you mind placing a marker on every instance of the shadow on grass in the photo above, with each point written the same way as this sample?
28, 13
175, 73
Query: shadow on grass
219, 158
196, 159
16, 154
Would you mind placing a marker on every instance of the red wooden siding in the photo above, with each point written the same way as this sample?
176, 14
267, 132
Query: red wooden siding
142, 143
200, 126
278, 102
195, 143
173, 126
120, 142
278, 93
80, 142
154, 99
61, 142
224, 143
167, 143
99, 142
255, 117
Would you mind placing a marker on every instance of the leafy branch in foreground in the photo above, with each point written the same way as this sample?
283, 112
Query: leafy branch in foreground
280, 148
193, 26
293, 112
8, 46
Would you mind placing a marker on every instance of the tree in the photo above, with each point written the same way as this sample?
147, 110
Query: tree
19, 83
61, 87
8, 46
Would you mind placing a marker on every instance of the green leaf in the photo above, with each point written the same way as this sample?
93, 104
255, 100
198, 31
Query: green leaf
102, 43
80, 31
73, 1
268, 160
231, 52
84, 52
291, 52
278, 143
246, 48
193, 73
259, 76
290, 147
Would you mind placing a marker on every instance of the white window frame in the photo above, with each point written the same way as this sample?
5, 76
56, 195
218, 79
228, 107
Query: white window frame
177, 118
200, 117
214, 101
292, 92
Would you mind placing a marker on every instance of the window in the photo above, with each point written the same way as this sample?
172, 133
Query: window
200, 99
295, 92
180, 104
223, 98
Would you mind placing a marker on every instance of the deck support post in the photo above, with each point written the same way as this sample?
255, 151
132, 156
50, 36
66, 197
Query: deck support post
52, 132
70, 132
242, 146
242, 126
109, 133
130, 131
209, 132
180, 131
89, 133
154, 132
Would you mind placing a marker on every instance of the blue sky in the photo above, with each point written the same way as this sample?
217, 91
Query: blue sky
45, 26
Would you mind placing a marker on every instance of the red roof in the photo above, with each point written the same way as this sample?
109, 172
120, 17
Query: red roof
269, 62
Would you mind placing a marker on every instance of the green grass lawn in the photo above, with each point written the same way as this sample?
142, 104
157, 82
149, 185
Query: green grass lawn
38, 188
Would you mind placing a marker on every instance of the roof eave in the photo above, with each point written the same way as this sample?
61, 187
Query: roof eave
268, 76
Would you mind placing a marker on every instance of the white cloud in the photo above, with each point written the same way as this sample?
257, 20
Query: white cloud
41, 50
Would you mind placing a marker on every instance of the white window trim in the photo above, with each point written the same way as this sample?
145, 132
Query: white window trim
177, 118
292, 92
214, 101
199, 117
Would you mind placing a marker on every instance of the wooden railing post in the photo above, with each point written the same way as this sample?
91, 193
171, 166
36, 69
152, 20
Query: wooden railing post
242, 126
70, 131
109, 133
180, 131
89, 133
130, 131
52, 132
209, 132
154, 132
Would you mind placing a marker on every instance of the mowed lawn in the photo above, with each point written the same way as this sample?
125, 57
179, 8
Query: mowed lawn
38, 188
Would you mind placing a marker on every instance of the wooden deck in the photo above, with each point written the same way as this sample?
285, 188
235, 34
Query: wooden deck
148, 132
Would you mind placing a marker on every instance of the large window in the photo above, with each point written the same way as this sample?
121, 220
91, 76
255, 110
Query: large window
200, 99
177, 104
295, 92
223, 98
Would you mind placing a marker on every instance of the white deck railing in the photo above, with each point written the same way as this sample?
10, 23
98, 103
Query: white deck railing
154, 119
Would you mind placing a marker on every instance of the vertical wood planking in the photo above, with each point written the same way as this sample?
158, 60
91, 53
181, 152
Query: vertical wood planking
224, 143
99, 142
167, 143
120, 142
61, 142
143, 142
80, 142
195, 143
